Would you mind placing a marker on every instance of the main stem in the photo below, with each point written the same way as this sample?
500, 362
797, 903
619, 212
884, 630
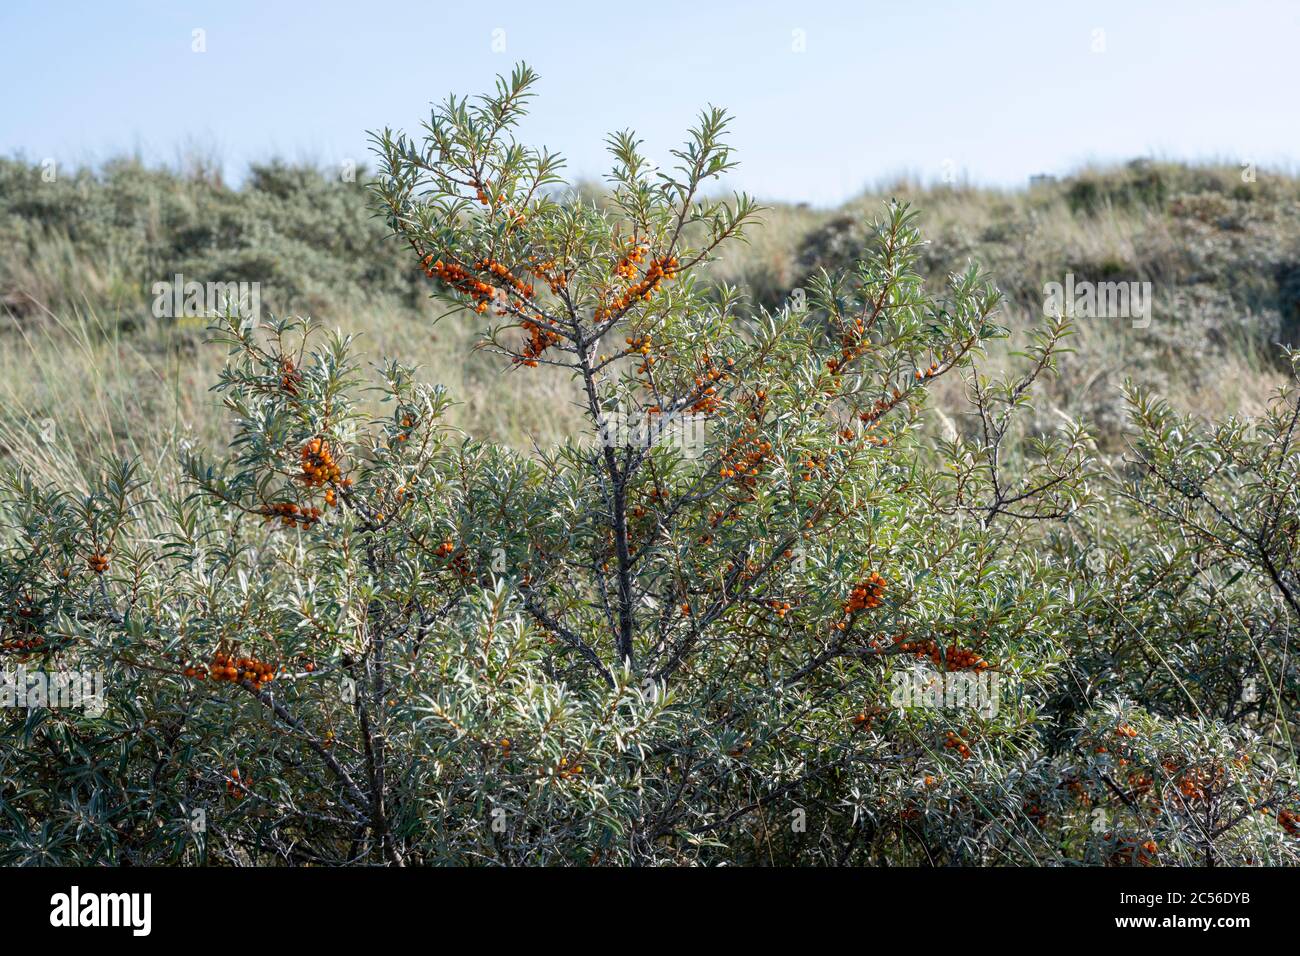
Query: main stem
617, 503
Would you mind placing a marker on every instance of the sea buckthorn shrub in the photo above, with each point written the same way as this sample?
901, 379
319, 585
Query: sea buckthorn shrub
358, 636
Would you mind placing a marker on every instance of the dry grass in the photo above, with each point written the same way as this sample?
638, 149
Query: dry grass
79, 348
77, 387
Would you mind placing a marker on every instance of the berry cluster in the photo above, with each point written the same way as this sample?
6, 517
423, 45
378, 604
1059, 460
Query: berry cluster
706, 402
459, 279
1036, 812
508, 279
290, 377
814, 466
660, 271
880, 407
548, 271
852, 344
290, 515
640, 345
746, 570
238, 786
952, 657
745, 458
953, 741
960, 659
1196, 781
226, 667
627, 266
1129, 852
539, 340
924, 373
483, 193
97, 562
1140, 782
318, 465
21, 618
866, 718
881, 440
405, 425
459, 562
1290, 821
868, 594
22, 644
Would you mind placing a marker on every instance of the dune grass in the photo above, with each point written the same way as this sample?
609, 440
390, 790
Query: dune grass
86, 369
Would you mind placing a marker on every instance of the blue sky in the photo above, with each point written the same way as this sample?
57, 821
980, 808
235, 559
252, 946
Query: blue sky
991, 92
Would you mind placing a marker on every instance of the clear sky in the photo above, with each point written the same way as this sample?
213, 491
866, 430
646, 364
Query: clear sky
829, 97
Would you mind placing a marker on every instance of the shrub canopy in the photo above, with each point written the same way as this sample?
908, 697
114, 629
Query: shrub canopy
753, 614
